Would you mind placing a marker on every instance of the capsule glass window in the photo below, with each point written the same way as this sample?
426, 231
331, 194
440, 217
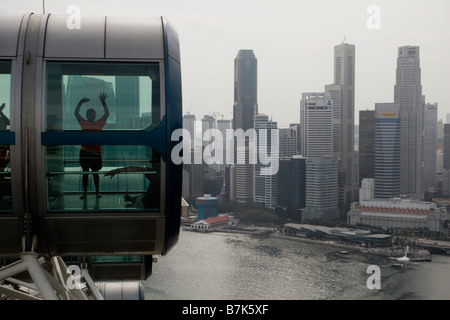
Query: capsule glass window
130, 91
117, 179
5, 107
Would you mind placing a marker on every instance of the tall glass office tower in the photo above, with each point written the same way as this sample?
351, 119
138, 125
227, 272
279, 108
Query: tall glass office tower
366, 144
316, 124
321, 190
387, 150
344, 75
265, 186
244, 108
408, 95
245, 90
431, 120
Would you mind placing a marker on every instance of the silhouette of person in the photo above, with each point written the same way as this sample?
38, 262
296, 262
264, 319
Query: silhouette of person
4, 121
91, 155
151, 198
5, 185
4, 149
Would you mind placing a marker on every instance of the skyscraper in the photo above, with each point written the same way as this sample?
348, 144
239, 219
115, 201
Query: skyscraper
208, 123
316, 125
265, 186
291, 185
387, 151
245, 90
408, 95
366, 144
189, 125
334, 92
344, 75
431, 113
446, 161
223, 125
288, 142
321, 189
244, 108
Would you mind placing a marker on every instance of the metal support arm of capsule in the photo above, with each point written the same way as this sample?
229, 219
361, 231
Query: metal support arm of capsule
33, 278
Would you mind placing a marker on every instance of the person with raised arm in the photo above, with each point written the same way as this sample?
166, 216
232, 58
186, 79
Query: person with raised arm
91, 155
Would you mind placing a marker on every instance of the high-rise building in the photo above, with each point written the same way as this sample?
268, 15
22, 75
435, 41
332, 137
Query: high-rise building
298, 182
440, 152
265, 185
291, 185
322, 187
334, 92
244, 108
186, 185
408, 95
245, 90
431, 139
366, 144
296, 128
446, 183
344, 76
367, 190
387, 150
288, 142
208, 122
446, 161
223, 125
316, 125
196, 178
189, 125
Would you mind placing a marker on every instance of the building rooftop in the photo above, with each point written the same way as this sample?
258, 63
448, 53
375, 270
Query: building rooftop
343, 233
216, 219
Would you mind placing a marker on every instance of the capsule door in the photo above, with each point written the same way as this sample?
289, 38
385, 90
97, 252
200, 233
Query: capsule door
14, 225
11, 211
103, 172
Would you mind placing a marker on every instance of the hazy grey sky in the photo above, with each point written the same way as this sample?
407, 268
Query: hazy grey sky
293, 42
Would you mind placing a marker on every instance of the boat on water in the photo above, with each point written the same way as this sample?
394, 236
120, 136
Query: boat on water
401, 259
396, 265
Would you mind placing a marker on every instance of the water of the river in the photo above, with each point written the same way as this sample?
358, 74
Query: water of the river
222, 266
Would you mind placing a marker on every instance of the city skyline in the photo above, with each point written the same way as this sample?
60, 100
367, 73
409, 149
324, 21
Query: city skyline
294, 53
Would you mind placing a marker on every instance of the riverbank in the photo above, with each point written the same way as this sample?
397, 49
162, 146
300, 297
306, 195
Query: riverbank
321, 242
273, 232
416, 255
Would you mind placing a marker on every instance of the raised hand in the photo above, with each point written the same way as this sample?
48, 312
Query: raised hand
84, 100
103, 97
2, 107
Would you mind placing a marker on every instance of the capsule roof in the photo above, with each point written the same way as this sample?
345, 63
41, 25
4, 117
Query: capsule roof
92, 37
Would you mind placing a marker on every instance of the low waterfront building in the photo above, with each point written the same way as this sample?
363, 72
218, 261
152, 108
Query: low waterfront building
211, 223
355, 236
398, 213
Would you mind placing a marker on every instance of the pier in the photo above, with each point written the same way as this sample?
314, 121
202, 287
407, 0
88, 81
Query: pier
434, 246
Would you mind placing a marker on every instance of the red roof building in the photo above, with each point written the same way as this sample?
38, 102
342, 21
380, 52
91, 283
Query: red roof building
211, 223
